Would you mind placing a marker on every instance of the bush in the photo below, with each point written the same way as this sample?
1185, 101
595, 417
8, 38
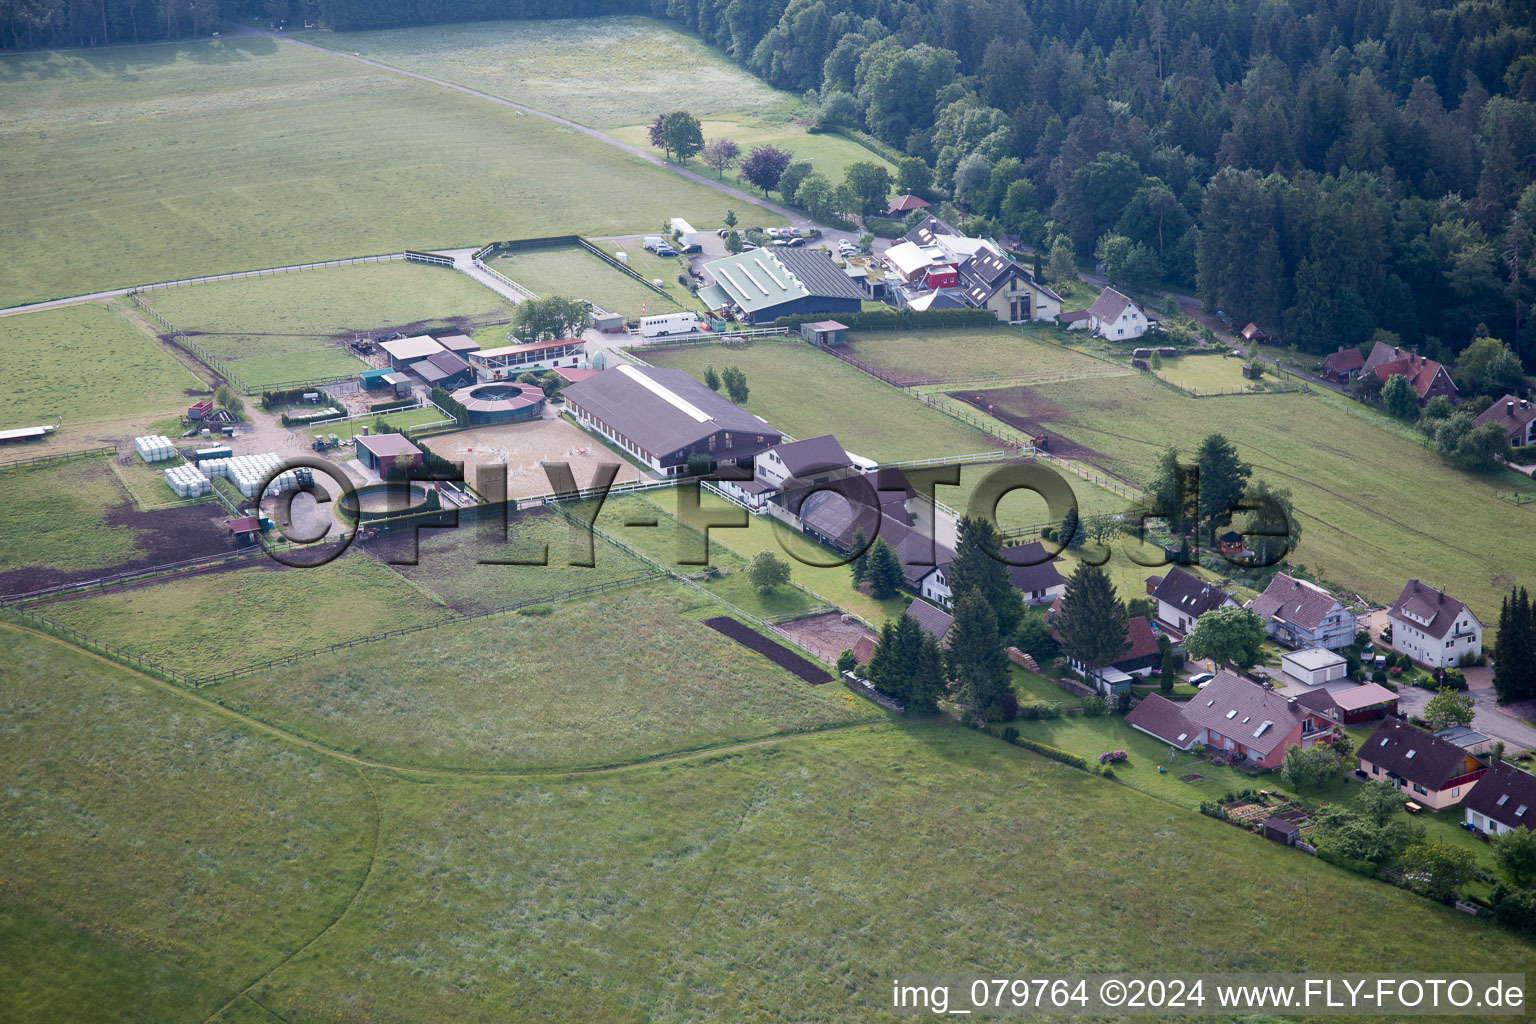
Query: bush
1054, 753
1094, 707
537, 610
882, 228
1213, 810
1048, 711
846, 662
1010, 735
1379, 676
398, 403
1029, 712
1453, 679
1008, 706
1360, 867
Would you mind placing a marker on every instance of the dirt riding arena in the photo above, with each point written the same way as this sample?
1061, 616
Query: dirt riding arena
523, 447
826, 635
1023, 409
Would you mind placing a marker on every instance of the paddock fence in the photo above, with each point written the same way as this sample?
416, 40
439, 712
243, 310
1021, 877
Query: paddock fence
37, 460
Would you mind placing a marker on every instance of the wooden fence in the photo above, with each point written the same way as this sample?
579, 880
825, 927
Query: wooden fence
81, 453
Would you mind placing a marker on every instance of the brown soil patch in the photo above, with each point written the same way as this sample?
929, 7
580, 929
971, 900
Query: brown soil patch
827, 635
1024, 409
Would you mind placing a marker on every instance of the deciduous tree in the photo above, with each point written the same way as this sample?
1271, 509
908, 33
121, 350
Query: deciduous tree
764, 166
1232, 636
767, 572
721, 154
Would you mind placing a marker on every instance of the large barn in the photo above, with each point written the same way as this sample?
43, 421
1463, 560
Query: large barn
763, 285
661, 417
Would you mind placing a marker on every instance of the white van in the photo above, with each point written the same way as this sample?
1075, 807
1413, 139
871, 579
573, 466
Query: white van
669, 323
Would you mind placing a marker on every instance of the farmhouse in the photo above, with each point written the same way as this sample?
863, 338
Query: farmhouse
1032, 573
511, 360
1351, 705
402, 352
1115, 317
386, 453
785, 471
1237, 716
1182, 598
1503, 799
936, 267
1434, 773
1433, 629
1344, 365
763, 286
662, 417
1301, 614
1427, 377
935, 621
1515, 416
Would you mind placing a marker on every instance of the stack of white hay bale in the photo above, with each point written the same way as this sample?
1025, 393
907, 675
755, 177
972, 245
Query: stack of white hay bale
247, 471
155, 448
187, 481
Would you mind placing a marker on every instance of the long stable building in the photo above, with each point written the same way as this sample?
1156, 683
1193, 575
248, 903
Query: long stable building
510, 360
763, 285
662, 417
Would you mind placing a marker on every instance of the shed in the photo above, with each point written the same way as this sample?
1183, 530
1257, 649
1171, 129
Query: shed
371, 379
1314, 666
1287, 833
403, 352
244, 529
606, 322
825, 333
460, 344
399, 382
384, 453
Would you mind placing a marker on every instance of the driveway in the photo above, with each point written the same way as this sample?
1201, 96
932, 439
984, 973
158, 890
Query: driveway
1486, 716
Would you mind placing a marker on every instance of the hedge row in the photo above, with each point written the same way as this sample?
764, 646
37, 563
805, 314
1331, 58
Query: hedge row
1359, 867
291, 396
901, 319
1046, 750
452, 406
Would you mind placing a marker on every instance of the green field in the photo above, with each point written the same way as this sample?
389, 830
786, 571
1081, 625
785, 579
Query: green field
454, 564
603, 72
1205, 374
620, 677
288, 327
1019, 354
808, 393
223, 620
208, 157
1376, 510
56, 515
575, 273
155, 856
86, 365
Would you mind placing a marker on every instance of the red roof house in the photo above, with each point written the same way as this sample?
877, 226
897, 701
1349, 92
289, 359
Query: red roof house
1427, 377
1344, 365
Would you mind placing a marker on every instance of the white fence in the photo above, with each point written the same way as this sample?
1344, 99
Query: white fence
504, 279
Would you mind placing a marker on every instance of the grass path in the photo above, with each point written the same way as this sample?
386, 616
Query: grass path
420, 771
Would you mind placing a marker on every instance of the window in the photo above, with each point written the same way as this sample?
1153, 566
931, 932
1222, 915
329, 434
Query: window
1375, 769
1420, 789
1456, 791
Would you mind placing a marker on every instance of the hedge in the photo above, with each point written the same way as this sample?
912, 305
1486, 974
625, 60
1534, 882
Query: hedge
1054, 753
292, 396
1360, 867
452, 406
900, 319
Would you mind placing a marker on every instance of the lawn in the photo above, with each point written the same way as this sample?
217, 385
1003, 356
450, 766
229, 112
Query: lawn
155, 856
621, 677
575, 273
295, 326
208, 157
602, 72
732, 887
656, 268
347, 429
86, 365
454, 564
217, 621
1018, 354
808, 393
1375, 510
1216, 372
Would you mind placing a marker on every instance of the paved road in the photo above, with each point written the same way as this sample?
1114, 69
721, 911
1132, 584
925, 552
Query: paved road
1486, 717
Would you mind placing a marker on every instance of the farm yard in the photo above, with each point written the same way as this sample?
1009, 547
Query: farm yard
575, 273
72, 520
1021, 355
808, 393
247, 135
210, 622
562, 689
90, 366
272, 330
1356, 512
522, 446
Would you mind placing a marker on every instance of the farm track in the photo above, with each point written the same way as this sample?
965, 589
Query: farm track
427, 771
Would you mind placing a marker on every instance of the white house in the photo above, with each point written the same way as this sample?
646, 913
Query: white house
1115, 317
1182, 598
1302, 614
1031, 572
1503, 799
1433, 629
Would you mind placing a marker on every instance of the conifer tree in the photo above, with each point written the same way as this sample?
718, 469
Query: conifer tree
928, 682
883, 571
977, 566
1092, 619
977, 660
859, 545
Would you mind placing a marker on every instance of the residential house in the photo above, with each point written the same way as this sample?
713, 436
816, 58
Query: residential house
1504, 799
990, 280
1516, 416
1432, 772
1182, 599
1434, 630
1236, 716
1253, 334
1142, 656
903, 205
1115, 317
934, 265
1428, 378
1343, 366
1351, 705
1297, 613
1031, 571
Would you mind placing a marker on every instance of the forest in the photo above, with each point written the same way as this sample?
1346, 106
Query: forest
1327, 168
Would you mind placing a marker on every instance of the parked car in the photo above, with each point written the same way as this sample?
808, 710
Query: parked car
722, 232
695, 247
665, 250
797, 240
1199, 679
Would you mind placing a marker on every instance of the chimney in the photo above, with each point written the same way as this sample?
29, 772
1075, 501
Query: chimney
1509, 408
